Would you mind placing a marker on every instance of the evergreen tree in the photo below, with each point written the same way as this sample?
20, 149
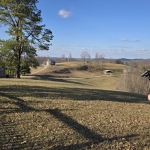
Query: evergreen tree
28, 57
24, 26
1, 55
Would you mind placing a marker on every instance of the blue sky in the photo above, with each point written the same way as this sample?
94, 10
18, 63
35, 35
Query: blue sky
114, 28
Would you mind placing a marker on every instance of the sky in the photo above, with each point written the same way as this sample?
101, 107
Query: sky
112, 28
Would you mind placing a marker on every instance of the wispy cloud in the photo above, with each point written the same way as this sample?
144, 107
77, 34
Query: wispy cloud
142, 49
63, 45
84, 49
120, 51
127, 40
115, 51
120, 46
124, 40
64, 13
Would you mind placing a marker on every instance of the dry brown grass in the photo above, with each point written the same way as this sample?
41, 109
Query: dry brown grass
72, 114
33, 70
72, 70
114, 66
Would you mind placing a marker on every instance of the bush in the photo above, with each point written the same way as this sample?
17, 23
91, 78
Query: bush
119, 61
24, 68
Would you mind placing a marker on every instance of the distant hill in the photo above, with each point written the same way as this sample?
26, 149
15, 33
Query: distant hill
126, 59
59, 59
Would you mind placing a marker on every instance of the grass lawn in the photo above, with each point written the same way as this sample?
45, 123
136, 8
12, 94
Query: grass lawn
72, 113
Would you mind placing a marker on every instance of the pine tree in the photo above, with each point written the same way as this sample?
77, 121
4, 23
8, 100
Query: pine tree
24, 27
7, 58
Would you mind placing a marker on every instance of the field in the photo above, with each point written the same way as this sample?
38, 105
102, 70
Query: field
72, 110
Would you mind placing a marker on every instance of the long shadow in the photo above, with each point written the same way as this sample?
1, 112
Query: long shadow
93, 137
55, 78
66, 81
87, 145
87, 133
18, 102
83, 94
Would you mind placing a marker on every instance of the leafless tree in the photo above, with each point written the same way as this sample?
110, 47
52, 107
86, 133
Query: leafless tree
70, 57
101, 56
96, 60
99, 60
88, 58
63, 57
85, 55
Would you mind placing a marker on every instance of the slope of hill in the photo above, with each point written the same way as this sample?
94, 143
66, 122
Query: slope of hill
71, 114
77, 71
79, 112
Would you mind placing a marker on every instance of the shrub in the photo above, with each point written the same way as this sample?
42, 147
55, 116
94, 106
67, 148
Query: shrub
133, 82
119, 61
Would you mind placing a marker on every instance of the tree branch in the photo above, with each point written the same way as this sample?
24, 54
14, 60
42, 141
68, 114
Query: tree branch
13, 23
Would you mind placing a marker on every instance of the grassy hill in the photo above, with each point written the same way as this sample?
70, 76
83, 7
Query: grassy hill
72, 111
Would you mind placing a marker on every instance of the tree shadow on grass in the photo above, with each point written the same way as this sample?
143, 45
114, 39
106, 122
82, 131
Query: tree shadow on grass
55, 79
74, 94
9, 131
92, 136
7, 136
88, 145
84, 131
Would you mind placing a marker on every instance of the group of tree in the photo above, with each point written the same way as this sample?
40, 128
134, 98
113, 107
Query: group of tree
99, 59
64, 58
85, 56
118, 61
27, 34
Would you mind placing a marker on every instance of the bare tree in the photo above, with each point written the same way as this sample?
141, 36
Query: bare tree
101, 56
110, 60
69, 57
97, 60
85, 56
88, 58
63, 57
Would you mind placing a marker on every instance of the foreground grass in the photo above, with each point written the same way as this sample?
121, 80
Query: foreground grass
71, 114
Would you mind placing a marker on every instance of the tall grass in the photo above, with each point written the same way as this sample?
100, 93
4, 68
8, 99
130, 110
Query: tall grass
134, 83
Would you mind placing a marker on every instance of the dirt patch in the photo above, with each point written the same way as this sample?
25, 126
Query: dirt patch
83, 68
65, 70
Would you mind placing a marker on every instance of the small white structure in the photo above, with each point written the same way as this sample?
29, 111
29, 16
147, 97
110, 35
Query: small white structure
48, 63
109, 72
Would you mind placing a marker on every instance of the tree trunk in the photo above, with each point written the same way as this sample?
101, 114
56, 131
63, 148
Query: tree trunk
18, 56
18, 71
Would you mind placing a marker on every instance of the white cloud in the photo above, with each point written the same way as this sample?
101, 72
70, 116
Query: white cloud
64, 14
84, 49
120, 46
127, 40
142, 49
134, 40
124, 40
119, 51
